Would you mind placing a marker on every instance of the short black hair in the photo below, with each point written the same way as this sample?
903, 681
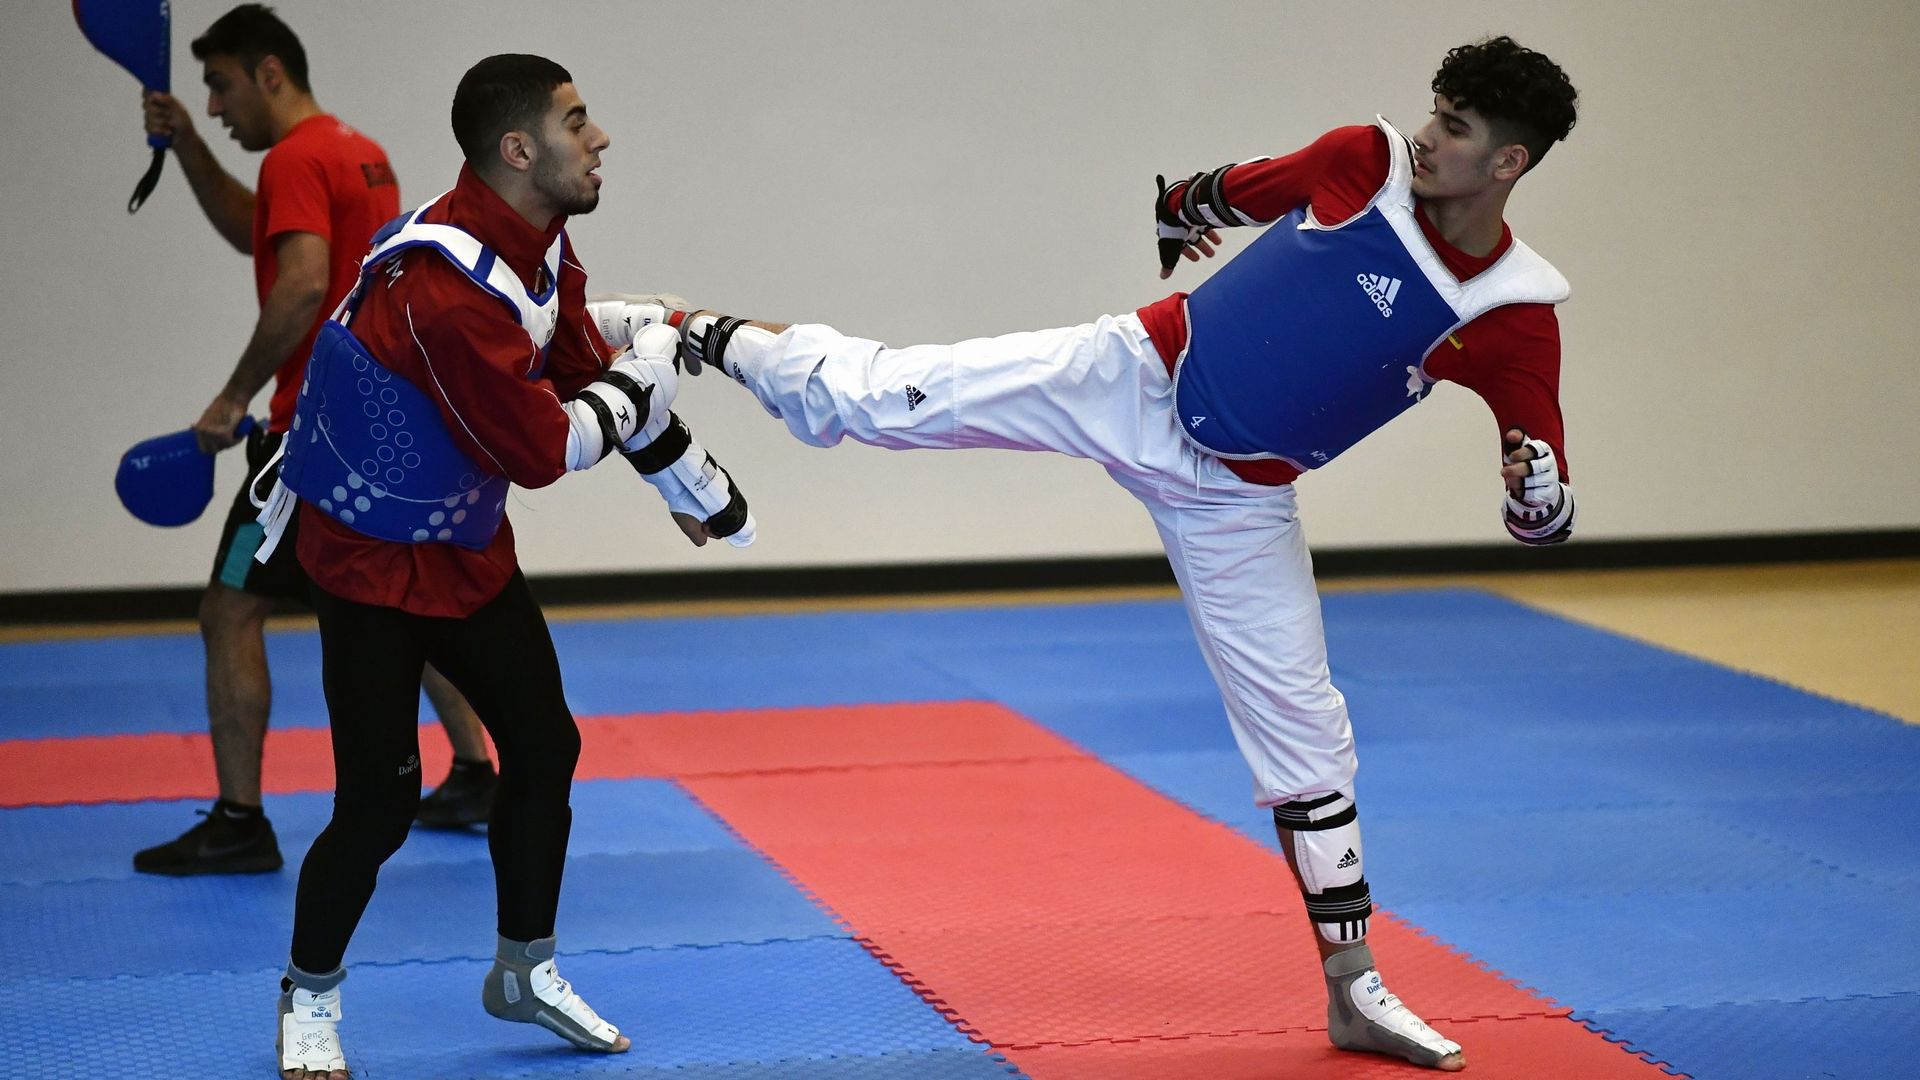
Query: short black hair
508, 92
250, 33
1526, 96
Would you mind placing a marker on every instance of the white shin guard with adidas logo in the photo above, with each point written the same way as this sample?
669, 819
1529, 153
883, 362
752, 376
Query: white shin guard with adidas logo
1321, 836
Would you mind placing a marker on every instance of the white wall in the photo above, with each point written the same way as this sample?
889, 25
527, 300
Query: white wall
1736, 211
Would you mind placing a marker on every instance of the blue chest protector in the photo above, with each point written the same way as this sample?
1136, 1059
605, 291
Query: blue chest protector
370, 448
1314, 336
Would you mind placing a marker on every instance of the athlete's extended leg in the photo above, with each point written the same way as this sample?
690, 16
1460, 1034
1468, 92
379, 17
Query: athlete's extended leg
1073, 390
1242, 563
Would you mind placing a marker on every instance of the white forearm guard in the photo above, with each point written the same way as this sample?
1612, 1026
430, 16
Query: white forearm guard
630, 401
693, 483
1541, 510
663, 450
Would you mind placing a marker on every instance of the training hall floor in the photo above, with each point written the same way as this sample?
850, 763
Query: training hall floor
1618, 824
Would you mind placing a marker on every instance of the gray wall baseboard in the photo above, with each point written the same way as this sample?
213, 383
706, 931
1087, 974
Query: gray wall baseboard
113, 605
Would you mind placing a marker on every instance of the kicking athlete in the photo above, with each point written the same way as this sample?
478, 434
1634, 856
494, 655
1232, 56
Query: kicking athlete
1387, 266
464, 360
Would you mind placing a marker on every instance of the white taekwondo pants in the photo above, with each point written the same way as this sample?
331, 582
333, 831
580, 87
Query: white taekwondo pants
1100, 391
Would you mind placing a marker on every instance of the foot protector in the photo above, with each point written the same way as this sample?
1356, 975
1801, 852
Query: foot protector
524, 987
310, 1032
1362, 1015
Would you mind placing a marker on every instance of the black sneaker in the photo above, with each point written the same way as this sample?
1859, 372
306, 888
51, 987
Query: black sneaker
462, 799
222, 844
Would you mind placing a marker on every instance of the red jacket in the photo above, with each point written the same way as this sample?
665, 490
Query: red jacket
430, 324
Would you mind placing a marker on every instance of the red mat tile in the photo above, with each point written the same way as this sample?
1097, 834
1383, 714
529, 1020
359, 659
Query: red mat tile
938, 806
1140, 978
1039, 903
129, 768
1531, 1048
1060, 874
774, 740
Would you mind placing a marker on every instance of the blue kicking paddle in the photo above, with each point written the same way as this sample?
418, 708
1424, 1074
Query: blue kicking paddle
167, 480
136, 34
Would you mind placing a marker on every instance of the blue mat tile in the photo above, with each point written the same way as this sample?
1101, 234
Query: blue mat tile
1872, 835
1699, 698
134, 685
782, 1003
1503, 857
1131, 721
1852, 1038
1651, 948
149, 926
97, 842
1446, 634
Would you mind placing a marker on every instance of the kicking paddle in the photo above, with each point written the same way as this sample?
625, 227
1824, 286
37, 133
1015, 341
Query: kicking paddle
168, 480
135, 34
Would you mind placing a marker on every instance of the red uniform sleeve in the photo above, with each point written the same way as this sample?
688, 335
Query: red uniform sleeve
468, 352
294, 194
1337, 173
1345, 163
1511, 358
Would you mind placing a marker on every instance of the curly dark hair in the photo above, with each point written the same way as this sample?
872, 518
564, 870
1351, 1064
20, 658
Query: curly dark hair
1525, 96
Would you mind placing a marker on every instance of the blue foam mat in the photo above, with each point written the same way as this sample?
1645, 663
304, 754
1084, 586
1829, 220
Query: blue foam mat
730, 1004
97, 842
1644, 831
1863, 1037
1643, 947
1869, 835
150, 926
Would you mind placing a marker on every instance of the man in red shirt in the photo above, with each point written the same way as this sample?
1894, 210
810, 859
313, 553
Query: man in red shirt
1387, 266
323, 190
464, 360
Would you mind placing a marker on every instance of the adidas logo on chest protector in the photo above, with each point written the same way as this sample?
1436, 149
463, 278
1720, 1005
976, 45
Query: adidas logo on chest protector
1381, 290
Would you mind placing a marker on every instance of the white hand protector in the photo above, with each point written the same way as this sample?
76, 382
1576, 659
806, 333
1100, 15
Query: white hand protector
609, 412
621, 315
1540, 511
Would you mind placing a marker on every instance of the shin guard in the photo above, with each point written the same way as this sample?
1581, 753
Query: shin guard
1321, 837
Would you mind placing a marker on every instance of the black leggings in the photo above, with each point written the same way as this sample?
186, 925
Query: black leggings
501, 657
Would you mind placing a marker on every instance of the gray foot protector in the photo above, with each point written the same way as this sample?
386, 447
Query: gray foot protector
524, 987
1362, 1015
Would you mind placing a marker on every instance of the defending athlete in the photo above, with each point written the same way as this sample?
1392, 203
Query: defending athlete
465, 360
1386, 266
323, 189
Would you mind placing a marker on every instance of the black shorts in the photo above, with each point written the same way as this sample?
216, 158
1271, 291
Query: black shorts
281, 576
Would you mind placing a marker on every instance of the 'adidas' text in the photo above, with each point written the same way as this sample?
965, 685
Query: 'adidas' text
1381, 290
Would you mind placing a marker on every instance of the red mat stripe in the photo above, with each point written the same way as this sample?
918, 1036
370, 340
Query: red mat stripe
131, 768
1043, 902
